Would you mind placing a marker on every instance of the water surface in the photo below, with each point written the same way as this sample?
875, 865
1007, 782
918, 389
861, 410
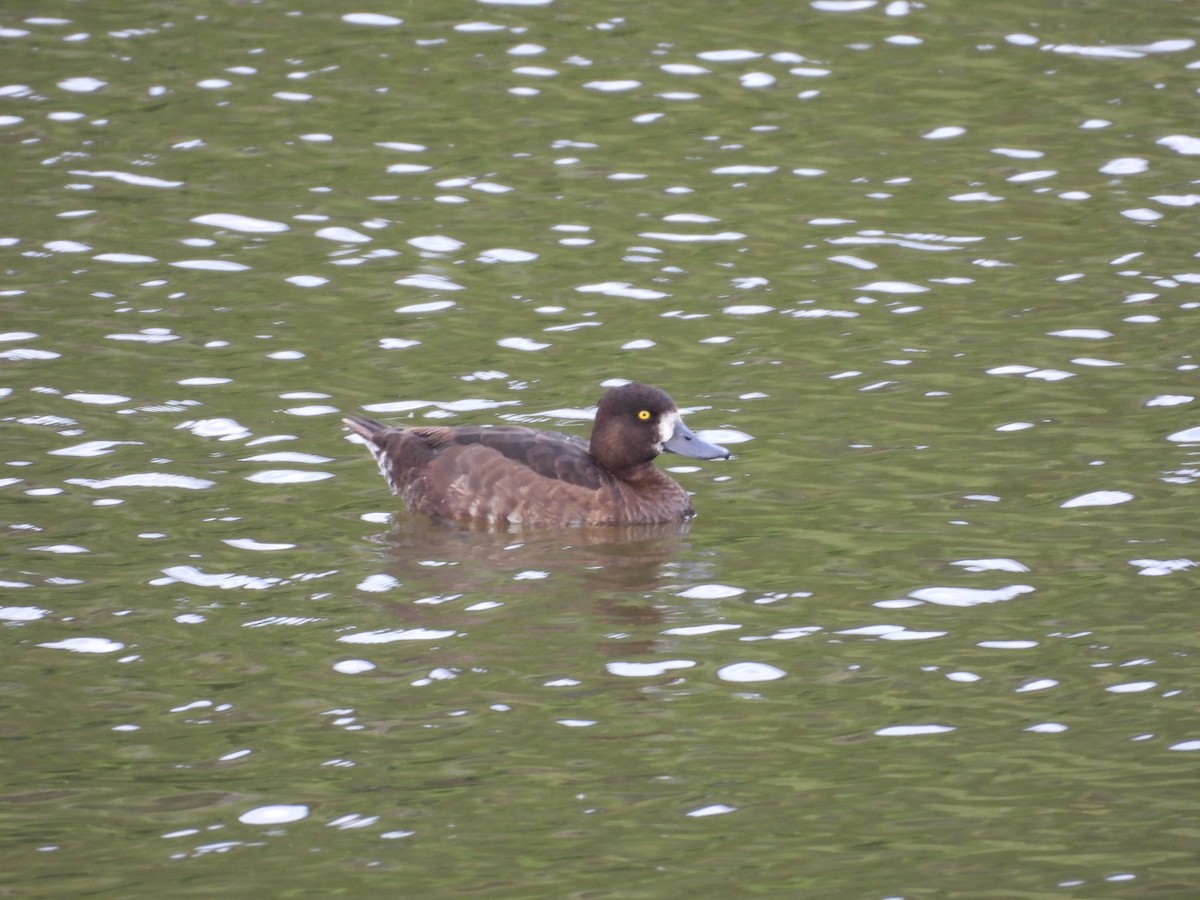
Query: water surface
929, 270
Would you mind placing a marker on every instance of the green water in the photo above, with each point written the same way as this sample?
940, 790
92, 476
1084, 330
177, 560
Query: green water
929, 270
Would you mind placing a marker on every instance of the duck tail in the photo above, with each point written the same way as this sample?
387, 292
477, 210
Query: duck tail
366, 428
375, 434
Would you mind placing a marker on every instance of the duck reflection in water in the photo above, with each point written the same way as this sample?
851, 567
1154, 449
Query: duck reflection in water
612, 570
599, 588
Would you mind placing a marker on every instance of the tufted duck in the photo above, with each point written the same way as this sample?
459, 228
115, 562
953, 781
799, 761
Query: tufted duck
511, 475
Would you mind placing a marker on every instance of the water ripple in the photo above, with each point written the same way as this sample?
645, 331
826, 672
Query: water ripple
130, 178
237, 222
144, 479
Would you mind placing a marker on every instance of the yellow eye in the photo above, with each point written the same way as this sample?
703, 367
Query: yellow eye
643, 414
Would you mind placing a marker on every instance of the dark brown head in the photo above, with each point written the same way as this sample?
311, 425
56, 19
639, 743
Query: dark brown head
637, 422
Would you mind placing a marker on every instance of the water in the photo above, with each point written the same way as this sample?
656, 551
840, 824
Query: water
930, 271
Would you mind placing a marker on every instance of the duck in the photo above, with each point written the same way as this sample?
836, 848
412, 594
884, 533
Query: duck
512, 476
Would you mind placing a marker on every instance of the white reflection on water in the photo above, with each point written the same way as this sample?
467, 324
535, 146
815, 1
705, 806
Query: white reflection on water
1035, 175
711, 592
692, 238
732, 55
944, 132
961, 596
342, 235
506, 254
1087, 334
894, 287
1132, 687
1156, 567
21, 613
991, 565
431, 306
613, 86
99, 399
438, 674
287, 456
224, 580
787, 633
230, 581
238, 222
1098, 498
647, 669
287, 476
353, 666
714, 809
1187, 436
130, 178
377, 20
352, 821
145, 479
912, 730
286, 621
1186, 144
521, 343
85, 645
146, 336
692, 630
274, 815
1127, 51
210, 265
378, 583
910, 242
251, 544
1031, 372
743, 169
893, 633
91, 448
313, 410
1038, 684
306, 281
621, 289
224, 429
749, 672
390, 635
754, 80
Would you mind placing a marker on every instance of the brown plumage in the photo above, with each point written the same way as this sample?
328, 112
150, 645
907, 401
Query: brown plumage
511, 475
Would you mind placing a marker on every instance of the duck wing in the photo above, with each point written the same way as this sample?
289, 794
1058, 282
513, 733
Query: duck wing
550, 454
405, 452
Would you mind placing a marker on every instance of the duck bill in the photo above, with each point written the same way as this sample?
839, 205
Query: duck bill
685, 442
